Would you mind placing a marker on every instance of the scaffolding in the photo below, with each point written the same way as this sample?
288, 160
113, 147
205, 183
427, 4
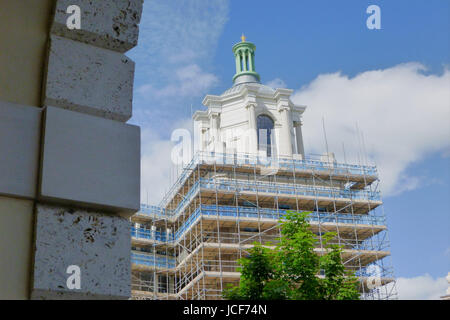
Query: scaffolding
188, 246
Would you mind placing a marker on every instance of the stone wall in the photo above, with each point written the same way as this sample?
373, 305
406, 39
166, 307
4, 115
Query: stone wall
70, 165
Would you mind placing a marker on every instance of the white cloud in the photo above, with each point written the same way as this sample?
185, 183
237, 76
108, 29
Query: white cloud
177, 34
190, 81
177, 43
155, 167
403, 112
158, 173
194, 81
179, 31
422, 287
276, 83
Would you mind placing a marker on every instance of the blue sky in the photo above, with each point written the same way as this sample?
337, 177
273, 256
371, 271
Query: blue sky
394, 83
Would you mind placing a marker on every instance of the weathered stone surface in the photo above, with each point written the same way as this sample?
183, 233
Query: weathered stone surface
98, 244
90, 162
111, 24
88, 79
19, 149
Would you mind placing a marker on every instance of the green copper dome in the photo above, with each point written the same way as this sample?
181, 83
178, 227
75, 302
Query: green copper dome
244, 53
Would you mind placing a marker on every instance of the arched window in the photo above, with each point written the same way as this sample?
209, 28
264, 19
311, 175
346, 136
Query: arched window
265, 126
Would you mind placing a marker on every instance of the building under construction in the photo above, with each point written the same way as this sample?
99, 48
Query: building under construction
248, 169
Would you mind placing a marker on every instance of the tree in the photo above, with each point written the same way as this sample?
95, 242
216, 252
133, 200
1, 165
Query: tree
257, 273
292, 269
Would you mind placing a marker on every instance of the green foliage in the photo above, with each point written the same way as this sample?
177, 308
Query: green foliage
292, 269
257, 277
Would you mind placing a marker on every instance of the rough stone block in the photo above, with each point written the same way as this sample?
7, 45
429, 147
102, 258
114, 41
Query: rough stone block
90, 162
98, 244
111, 24
19, 149
88, 79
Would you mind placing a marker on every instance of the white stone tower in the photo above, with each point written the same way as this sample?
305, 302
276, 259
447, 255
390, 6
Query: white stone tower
250, 117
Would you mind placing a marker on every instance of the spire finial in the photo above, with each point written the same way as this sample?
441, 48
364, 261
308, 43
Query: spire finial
243, 38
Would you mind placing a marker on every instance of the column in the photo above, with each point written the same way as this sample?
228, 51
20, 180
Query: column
241, 61
238, 62
214, 127
214, 143
299, 138
253, 130
285, 133
253, 61
250, 61
244, 55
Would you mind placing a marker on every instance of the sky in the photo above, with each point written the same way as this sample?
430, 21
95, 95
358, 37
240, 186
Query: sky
393, 84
